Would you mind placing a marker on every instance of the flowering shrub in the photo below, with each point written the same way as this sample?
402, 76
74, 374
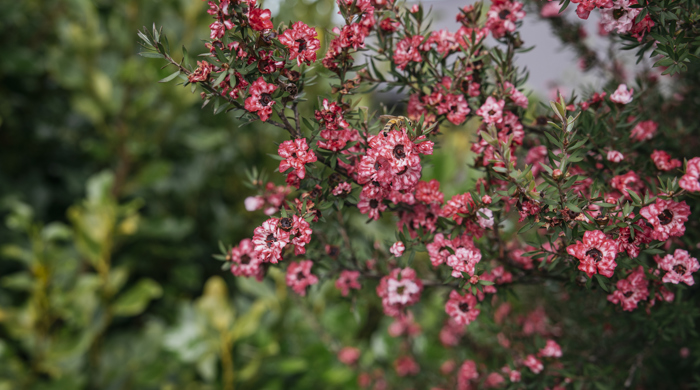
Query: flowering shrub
572, 199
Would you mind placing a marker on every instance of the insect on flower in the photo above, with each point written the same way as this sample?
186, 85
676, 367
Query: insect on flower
398, 121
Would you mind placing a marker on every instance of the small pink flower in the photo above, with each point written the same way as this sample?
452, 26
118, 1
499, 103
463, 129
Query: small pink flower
348, 355
406, 366
514, 376
663, 161
415, 8
486, 222
397, 249
407, 51
550, 10
622, 95
342, 188
667, 217
399, 289
631, 291
296, 155
260, 99
691, 180
462, 308
302, 43
244, 260
346, 281
269, 241
680, 267
596, 253
260, 19
467, 373
644, 131
534, 364
551, 349
253, 203
299, 276
615, 156
486, 199
492, 110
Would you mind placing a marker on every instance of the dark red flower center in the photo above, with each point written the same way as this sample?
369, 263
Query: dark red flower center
286, 223
270, 240
373, 203
595, 254
504, 14
679, 269
618, 13
628, 294
403, 171
300, 275
333, 251
399, 152
302, 44
400, 290
245, 259
491, 112
666, 217
265, 99
464, 307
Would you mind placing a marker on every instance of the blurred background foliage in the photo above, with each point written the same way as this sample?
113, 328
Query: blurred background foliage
114, 191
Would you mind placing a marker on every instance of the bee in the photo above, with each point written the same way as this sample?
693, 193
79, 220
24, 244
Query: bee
398, 121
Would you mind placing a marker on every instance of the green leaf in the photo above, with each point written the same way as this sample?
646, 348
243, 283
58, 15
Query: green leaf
134, 301
172, 76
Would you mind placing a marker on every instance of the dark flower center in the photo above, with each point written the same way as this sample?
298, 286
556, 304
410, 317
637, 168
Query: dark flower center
245, 259
286, 223
333, 252
294, 154
399, 152
618, 13
373, 203
679, 269
300, 275
492, 112
504, 14
595, 254
265, 99
666, 217
403, 171
400, 290
375, 183
464, 307
270, 239
628, 294
302, 44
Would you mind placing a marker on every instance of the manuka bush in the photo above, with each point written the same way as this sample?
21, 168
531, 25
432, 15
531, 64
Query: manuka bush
569, 263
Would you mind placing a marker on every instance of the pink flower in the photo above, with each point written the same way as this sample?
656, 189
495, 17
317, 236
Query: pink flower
429, 192
462, 308
492, 110
406, 366
493, 380
399, 289
615, 156
459, 204
667, 217
631, 290
346, 281
486, 199
456, 108
342, 188
260, 99
691, 180
514, 376
302, 42
296, 154
644, 130
550, 10
299, 276
301, 231
201, 73
244, 260
486, 222
397, 249
465, 258
407, 51
331, 116
467, 373
516, 96
663, 161
551, 349
619, 17
622, 95
253, 203
352, 35
349, 355
502, 17
625, 243
269, 241
259, 19
534, 364
628, 181
680, 267
596, 253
